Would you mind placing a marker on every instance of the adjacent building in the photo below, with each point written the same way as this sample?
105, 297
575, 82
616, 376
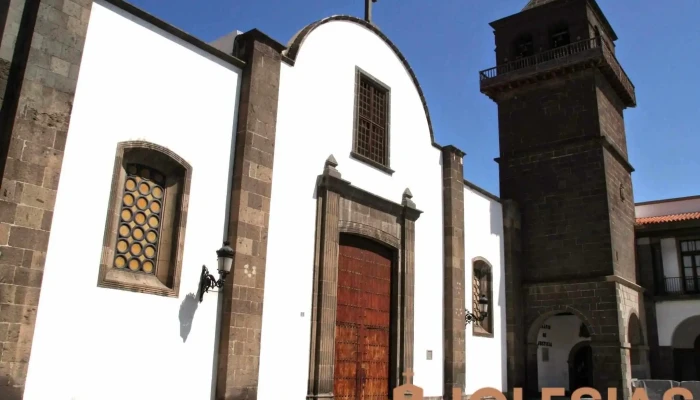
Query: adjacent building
668, 254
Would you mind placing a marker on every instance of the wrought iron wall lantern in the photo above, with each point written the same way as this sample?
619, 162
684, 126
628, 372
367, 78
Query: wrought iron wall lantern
483, 311
225, 261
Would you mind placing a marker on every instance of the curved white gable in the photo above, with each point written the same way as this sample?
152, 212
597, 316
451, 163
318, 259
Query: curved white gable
315, 120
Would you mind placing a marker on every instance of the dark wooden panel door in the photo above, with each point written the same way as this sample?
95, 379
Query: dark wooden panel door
362, 321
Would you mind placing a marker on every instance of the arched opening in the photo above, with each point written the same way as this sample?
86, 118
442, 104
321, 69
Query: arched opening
482, 284
686, 349
580, 365
523, 46
559, 35
561, 344
635, 337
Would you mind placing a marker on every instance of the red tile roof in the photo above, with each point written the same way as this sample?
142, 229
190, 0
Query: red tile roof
668, 218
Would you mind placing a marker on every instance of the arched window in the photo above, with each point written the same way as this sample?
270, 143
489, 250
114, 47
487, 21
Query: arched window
559, 36
482, 284
144, 233
524, 46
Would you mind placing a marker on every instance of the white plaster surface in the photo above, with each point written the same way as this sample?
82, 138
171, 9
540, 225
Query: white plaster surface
563, 335
679, 206
315, 120
678, 322
483, 226
136, 83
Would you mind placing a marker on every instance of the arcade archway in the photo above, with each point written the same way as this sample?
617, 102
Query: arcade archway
559, 352
686, 349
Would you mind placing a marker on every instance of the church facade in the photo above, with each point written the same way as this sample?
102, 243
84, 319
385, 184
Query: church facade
360, 249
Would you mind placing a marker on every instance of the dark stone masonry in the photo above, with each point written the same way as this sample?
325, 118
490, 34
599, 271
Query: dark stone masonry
40, 53
565, 181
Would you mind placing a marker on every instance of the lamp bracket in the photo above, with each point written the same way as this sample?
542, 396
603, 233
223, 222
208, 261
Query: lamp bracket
469, 317
207, 282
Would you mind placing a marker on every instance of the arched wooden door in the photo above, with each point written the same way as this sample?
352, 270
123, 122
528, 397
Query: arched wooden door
362, 332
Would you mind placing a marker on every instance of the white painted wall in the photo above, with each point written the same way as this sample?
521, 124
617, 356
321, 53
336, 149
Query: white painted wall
671, 314
315, 120
483, 237
563, 335
680, 206
136, 83
669, 256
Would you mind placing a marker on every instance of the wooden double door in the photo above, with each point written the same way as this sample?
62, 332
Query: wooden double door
363, 320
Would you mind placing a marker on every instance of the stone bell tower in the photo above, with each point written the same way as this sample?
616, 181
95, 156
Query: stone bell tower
565, 180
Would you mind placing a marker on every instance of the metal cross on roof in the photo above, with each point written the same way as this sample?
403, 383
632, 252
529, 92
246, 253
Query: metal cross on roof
368, 10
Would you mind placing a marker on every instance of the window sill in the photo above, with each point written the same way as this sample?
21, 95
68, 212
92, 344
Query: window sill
133, 282
481, 332
371, 163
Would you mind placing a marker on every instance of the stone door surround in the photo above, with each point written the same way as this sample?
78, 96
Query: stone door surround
344, 208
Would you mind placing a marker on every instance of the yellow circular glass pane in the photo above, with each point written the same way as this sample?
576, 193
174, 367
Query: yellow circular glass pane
134, 264
140, 218
153, 221
136, 249
142, 203
128, 200
155, 207
144, 188
119, 262
124, 230
157, 192
137, 233
151, 236
122, 246
126, 215
150, 251
147, 266
130, 184
146, 173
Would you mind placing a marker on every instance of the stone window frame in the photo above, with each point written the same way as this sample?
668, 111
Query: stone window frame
480, 264
695, 277
178, 173
342, 208
386, 167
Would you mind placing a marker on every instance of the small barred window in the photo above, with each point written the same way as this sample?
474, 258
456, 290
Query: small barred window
481, 284
371, 125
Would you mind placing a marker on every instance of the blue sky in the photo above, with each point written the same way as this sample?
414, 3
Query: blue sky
448, 41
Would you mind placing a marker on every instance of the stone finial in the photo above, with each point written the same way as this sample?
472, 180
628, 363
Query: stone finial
330, 167
407, 196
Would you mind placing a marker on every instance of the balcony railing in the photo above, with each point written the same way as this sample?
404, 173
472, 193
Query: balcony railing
681, 286
542, 62
617, 68
549, 55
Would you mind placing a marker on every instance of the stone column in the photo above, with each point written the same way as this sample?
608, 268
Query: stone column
325, 297
515, 315
407, 278
40, 54
453, 269
648, 251
241, 319
610, 368
665, 369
